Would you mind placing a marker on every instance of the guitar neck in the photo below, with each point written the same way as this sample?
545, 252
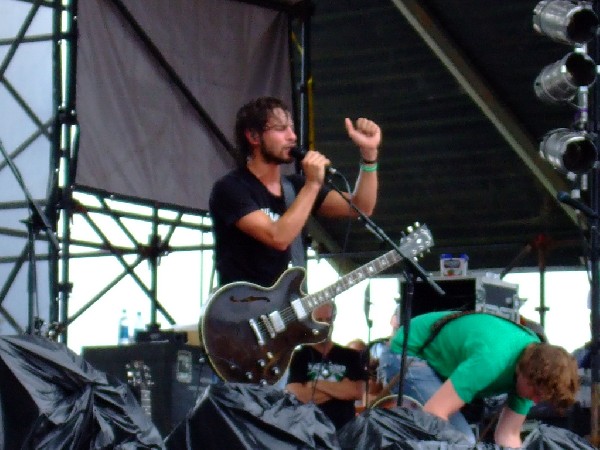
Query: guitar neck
313, 301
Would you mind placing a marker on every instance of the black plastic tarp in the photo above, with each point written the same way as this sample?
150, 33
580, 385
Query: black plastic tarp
240, 416
548, 437
396, 428
50, 398
413, 429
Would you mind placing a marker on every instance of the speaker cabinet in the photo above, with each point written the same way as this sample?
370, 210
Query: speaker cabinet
167, 377
461, 294
465, 294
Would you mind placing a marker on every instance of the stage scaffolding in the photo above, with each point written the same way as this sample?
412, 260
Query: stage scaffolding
146, 229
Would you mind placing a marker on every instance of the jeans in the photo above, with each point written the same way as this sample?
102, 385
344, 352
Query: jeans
420, 382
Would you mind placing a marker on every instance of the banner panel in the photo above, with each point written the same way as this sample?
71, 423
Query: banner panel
140, 136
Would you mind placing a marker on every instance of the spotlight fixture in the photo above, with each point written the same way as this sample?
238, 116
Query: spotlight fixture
560, 81
568, 150
565, 21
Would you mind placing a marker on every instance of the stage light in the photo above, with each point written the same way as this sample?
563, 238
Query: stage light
568, 150
568, 22
559, 82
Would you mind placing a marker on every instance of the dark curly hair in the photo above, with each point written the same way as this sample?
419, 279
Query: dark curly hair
253, 116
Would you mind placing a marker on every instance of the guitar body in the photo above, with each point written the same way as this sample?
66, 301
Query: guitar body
250, 332
231, 342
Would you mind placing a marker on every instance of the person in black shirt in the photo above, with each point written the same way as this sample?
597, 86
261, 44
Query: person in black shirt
331, 376
253, 228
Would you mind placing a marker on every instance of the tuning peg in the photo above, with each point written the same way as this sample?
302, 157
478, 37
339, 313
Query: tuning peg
410, 229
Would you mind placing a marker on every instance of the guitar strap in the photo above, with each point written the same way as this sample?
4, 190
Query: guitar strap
435, 330
298, 255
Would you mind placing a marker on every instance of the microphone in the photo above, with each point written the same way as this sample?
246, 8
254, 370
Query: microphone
565, 198
299, 153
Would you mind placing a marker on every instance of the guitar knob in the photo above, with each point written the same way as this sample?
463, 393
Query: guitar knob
276, 370
249, 376
269, 355
262, 363
263, 383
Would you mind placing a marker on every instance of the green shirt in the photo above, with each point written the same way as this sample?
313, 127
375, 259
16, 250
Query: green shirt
477, 352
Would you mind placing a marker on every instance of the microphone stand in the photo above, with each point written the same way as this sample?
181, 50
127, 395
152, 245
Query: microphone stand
368, 351
410, 270
594, 223
594, 351
37, 221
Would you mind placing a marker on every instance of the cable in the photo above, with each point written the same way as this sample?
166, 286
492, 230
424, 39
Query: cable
317, 374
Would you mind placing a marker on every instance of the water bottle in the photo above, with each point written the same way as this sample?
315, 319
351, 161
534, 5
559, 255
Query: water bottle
139, 325
123, 329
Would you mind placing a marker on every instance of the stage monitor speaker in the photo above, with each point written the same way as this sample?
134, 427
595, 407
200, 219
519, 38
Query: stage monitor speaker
461, 295
167, 377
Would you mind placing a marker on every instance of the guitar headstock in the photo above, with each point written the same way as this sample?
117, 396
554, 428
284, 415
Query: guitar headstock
418, 240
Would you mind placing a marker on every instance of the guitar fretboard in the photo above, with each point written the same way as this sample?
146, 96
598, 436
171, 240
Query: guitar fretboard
313, 301
412, 245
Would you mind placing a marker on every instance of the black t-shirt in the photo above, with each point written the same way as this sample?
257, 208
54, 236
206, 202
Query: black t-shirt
239, 257
309, 365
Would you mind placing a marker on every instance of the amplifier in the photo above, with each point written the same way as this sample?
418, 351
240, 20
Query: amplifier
499, 297
466, 294
167, 377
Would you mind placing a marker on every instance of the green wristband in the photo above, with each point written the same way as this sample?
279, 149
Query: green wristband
369, 168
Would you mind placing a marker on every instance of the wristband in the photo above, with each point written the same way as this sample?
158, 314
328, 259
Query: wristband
371, 167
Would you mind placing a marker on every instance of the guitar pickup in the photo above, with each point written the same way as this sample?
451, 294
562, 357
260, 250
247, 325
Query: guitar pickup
277, 321
299, 309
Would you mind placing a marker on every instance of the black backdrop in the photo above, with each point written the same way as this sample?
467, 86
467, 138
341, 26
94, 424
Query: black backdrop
158, 85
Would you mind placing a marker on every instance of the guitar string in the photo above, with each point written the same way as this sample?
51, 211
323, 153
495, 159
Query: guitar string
288, 314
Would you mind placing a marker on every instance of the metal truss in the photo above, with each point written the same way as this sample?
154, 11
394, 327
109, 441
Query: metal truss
55, 219
35, 32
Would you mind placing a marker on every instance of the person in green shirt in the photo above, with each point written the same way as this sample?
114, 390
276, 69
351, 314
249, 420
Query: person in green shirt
455, 357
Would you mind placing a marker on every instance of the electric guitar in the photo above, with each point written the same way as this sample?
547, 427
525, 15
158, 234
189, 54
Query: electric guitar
250, 332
